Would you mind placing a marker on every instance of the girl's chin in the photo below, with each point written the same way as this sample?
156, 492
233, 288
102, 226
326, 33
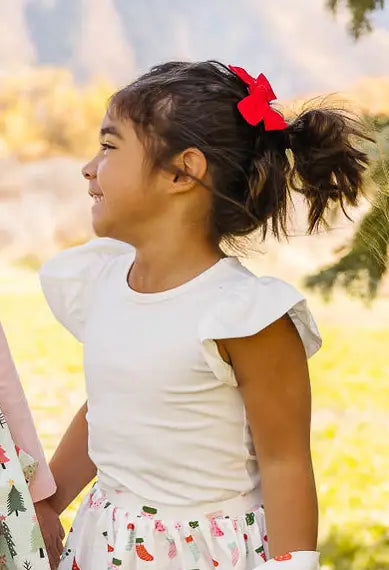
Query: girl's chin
99, 205
100, 222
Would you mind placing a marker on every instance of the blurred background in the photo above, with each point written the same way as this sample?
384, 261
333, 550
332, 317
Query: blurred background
59, 62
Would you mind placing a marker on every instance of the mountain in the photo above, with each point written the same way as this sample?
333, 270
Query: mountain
16, 46
119, 38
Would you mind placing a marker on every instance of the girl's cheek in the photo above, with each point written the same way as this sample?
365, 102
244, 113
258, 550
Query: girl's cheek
102, 170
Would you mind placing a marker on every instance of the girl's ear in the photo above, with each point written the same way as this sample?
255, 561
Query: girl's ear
190, 168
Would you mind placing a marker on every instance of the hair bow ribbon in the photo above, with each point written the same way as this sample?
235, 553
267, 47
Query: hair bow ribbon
255, 107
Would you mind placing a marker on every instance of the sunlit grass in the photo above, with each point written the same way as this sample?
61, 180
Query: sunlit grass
350, 420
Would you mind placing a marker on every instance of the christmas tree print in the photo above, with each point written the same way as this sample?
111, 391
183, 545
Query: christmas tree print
27, 565
3, 421
37, 544
194, 524
3, 458
15, 501
116, 562
8, 538
141, 551
75, 565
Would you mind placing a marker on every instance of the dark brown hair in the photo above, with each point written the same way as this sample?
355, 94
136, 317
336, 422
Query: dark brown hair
179, 105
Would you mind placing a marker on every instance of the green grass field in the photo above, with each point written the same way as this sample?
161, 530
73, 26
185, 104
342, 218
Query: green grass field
350, 416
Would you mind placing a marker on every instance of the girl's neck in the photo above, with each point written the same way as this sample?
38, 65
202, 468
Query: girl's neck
160, 266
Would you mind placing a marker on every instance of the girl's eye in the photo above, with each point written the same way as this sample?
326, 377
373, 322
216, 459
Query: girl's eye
106, 146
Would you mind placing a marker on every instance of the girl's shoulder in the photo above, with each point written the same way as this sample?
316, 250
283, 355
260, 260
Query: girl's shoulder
243, 290
245, 304
67, 279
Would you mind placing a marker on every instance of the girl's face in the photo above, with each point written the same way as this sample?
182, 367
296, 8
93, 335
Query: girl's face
126, 195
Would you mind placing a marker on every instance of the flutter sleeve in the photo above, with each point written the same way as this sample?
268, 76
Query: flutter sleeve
250, 306
67, 279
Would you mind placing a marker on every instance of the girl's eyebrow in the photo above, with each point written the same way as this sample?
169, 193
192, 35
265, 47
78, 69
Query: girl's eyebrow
110, 130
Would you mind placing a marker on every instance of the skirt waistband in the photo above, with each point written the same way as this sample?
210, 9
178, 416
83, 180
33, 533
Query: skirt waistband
134, 505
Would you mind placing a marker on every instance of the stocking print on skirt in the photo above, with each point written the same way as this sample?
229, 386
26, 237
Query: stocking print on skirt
119, 530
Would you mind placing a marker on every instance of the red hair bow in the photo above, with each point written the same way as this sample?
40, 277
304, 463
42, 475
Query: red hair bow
255, 107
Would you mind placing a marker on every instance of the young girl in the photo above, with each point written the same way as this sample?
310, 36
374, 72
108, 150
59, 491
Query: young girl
23, 462
197, 379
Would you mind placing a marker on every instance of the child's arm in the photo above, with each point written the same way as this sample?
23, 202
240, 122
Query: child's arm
73, 446
272, 372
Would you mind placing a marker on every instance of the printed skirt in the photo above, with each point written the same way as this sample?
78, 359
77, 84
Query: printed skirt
21, 542
119, 530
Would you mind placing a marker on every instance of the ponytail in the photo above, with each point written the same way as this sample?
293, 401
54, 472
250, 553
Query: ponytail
326, 166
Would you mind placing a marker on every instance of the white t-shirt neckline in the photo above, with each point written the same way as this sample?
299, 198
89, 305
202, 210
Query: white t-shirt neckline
186, 287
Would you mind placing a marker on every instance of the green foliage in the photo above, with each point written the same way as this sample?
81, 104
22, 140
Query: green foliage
356, 547
362, 268
360, 11
378, 122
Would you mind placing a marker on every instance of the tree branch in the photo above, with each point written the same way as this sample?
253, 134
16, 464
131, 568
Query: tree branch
361, 270
360, 14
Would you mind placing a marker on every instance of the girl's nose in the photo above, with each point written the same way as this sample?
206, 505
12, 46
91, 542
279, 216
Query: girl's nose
89, 170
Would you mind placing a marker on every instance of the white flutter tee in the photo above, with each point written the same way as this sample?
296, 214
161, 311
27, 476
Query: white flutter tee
166, 418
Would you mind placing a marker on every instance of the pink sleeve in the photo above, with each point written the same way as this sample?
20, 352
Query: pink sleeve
14, 405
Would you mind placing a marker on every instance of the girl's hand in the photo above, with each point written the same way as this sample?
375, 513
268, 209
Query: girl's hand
52, 531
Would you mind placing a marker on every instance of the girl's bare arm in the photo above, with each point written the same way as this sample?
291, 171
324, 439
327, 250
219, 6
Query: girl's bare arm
272, 372
71, 465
